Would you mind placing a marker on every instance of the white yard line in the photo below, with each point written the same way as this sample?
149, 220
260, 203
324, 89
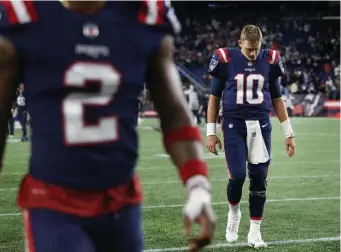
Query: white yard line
8, 189
222, 165
226, 179
270, 243
214, 203
246, 201
331, 134
226, 245
179, 182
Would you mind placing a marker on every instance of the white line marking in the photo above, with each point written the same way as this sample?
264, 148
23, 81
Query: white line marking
214, 203
226, 179
288, 164
8, 189
226, 245
179, 182
331, 134
246, 201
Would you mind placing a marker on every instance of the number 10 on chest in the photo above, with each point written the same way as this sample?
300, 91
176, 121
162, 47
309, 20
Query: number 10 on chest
249, 89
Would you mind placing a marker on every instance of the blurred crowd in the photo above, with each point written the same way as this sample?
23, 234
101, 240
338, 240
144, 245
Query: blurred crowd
308, 43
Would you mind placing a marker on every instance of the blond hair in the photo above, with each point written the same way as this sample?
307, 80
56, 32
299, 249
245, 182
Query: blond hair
251, 33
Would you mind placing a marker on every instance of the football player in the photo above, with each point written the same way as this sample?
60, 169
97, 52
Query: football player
11, 123
21, 111
247, 80
83, 67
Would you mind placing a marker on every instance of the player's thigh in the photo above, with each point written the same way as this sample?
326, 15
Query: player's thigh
52, 231
235, 147
261, 169
121, 231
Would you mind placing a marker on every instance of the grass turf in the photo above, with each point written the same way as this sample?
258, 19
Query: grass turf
302, 213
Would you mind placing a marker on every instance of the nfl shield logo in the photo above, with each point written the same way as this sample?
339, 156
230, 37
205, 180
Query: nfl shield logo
90, 30
250, 63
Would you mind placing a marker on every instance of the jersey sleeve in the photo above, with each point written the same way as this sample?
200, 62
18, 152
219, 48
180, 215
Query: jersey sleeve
217, 87
160, 15
15, 17
276, 64
218, 63
275, 88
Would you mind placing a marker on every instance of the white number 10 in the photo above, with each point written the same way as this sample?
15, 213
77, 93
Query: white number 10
247, 92
76, 131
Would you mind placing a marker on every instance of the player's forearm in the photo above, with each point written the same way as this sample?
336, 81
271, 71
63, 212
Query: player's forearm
280, 109
213, 109
282, 114
8, 71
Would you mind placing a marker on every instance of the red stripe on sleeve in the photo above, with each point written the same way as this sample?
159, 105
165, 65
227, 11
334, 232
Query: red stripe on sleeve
220, 56
12, 17
270, 56
160, 12
143, 12
31, 10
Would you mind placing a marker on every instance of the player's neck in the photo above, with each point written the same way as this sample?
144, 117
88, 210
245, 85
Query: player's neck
87, 7
245, 55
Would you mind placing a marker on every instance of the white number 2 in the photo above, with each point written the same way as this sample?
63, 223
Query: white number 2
76, 131
247, 92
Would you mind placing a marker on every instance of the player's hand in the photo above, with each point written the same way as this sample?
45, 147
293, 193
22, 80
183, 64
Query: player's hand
290, 146
212, 141
199, 210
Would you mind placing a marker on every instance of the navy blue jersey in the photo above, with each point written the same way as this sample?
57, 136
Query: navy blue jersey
83, 74
247, 87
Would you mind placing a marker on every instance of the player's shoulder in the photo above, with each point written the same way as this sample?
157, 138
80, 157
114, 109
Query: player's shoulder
16, 13
224, 54
219, 60
155, 14
271, 56
158, 15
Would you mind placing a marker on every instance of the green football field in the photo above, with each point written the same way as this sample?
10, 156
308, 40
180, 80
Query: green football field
302, 212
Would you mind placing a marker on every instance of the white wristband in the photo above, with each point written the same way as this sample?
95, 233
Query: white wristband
211, 129
198, 180
286, 125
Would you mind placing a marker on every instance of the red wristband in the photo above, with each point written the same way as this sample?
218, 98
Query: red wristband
184, 133
191, 168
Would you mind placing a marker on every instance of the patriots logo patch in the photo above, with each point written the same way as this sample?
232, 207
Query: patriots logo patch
213, 64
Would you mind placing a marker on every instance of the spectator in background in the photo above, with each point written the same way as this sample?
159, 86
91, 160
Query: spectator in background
11, 124
193, 102
310, 48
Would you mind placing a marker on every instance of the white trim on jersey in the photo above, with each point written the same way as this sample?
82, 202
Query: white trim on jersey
152, 12
221, 50
21, 11
273, 56
173, 20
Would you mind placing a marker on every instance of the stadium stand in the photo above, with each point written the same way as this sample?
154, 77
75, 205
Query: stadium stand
308, 41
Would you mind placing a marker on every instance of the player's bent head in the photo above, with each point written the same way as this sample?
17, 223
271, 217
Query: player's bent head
250, 41
21, 87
